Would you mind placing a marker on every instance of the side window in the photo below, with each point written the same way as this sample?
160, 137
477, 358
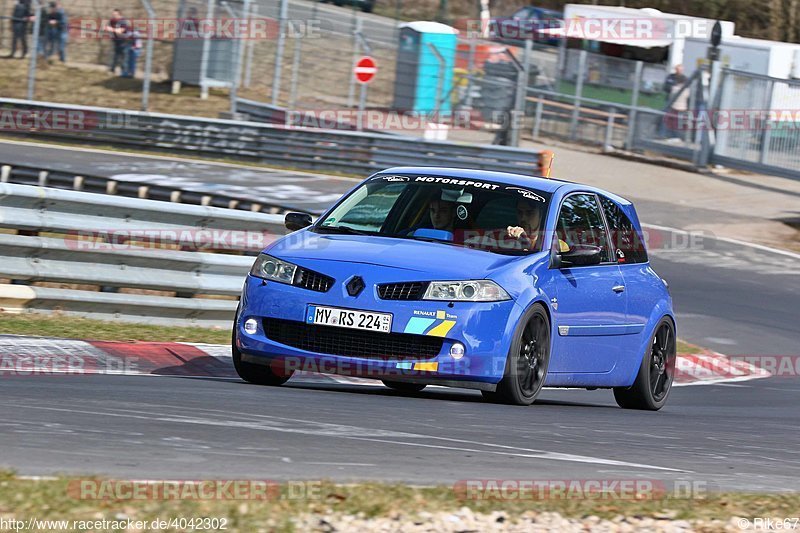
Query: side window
580, 223
625, 240
522, 14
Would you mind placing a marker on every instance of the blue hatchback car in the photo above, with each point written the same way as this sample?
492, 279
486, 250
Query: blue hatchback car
485, 280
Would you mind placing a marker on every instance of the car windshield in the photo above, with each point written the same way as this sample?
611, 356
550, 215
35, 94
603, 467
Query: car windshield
477, 214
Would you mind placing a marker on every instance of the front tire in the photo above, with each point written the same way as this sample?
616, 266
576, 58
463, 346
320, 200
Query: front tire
404, 386
253, 373
654, 381
526, 364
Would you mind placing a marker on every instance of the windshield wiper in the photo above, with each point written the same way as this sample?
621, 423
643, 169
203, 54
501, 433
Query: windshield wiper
347, 230
429, 239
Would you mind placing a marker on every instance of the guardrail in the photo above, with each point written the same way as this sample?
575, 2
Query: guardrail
42, 177
272, 114
125, 250
308, 148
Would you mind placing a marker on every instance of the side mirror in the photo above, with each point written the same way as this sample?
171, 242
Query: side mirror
296, 221
435, 234
555, 259
580, 255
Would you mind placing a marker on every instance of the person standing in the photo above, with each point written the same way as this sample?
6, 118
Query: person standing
134, 51
57, 31
677, 98
674, 81
19, 27
119, 29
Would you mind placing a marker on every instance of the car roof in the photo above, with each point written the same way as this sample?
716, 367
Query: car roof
550, 185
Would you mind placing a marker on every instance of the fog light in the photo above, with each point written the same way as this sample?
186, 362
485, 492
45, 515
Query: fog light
457, 351
251, 326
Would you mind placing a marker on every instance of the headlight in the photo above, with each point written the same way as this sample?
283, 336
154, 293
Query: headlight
470, 291
270, 268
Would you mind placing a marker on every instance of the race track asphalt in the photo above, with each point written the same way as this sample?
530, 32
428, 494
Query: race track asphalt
724, 437
729, 297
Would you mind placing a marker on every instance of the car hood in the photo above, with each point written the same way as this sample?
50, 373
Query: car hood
442, 260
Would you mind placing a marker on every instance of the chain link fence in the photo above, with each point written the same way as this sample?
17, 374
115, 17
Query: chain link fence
300, 58
763, 119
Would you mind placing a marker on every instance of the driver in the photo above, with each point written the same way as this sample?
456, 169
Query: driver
529, 220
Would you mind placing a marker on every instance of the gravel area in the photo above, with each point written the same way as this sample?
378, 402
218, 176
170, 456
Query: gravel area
465, 520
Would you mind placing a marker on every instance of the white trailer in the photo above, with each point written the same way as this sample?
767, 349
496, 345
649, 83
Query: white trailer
639, 29
756, 56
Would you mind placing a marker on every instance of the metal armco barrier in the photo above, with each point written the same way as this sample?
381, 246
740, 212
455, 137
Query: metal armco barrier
61, 240
272, 114
308, 148
59, 179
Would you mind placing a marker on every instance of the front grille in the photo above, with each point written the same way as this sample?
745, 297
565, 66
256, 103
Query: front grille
402, 291
314, 281
351, 342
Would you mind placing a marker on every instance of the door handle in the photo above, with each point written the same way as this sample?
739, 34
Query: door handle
618, 288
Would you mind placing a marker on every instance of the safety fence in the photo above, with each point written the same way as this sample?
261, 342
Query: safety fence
125, 258
762, 119
60, 179
296, 147
734, 119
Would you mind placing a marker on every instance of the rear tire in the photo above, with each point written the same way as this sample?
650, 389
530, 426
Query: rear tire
527, 362
254, 373
654, 381
404, 386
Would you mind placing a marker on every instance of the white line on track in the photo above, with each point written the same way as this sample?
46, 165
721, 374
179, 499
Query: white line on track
761, 247
178, 159
553, 456
327, 429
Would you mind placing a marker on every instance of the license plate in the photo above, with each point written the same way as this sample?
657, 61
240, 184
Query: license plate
349, 318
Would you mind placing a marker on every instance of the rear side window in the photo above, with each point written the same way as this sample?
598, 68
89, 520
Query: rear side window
625, 240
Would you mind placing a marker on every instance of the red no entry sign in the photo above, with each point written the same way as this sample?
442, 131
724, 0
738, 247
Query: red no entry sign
365, 70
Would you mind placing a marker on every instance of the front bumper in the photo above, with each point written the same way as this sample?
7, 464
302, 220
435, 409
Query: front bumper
484, 328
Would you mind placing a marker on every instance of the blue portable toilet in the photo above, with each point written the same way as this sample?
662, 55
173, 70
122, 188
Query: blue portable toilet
418, 83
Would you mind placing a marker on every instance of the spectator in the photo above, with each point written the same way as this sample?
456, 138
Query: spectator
674, 81
120, 30
19, 27
677, 98
57, 31
134, 51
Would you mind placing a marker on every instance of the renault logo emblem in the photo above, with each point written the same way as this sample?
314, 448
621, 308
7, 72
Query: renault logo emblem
355, 286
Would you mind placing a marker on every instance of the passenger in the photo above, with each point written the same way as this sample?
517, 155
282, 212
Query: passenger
442, 214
